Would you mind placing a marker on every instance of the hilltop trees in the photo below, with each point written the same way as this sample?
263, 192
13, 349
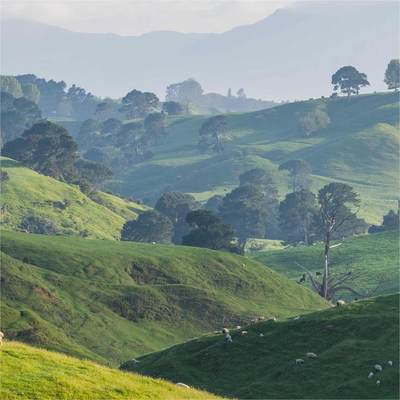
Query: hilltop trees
173, 108
154, 126
184, 92
212, 134
348, 80
392, 75
391, 221
137, 104
299, 172
151, 226
10, 84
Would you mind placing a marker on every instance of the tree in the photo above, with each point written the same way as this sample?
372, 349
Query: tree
334, 201
97, 155
31, 92
349, 80
314, 121
296, 215
137, 104
173, 108
241, 93
391, 221
212, 134
261, 178
392, 75
184, 92
176, 206
83, 103
208, 231
299, 172
154, 126
10, 84
151, 226
214, 203
47, 148
92, 172
244, 209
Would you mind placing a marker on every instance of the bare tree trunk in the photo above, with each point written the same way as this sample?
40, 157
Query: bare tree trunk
326, 266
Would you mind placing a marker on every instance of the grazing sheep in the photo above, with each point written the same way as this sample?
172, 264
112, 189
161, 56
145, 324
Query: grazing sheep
378, 383
228, 338
272, 319
390, 363
261, 318
299, 361
254, 320
183, 385
378, 367
371, 374
243, 333
225, 330
311, 355
153, 243
243, 265
261, 335
340, 303
238, 327
296, 318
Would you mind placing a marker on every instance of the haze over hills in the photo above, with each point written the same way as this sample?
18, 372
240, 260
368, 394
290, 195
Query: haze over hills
280, 57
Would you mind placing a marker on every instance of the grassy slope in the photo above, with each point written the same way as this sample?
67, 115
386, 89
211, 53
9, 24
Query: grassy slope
27, 192
28, 373
375, 256
362, 334
360, 147
113, 300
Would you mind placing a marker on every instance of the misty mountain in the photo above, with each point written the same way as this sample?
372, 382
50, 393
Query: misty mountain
290, 54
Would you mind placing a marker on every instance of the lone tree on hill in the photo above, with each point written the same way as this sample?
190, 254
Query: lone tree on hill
212, 134
392, 75
349, 80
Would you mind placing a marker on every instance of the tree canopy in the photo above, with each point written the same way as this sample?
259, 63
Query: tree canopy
137, 104
349, 80
392, 74
212, 134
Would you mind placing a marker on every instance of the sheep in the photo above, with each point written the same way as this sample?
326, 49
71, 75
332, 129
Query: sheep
390, 363
296, 318
370, 375
340, 303
243, 333
311, 355
183, 385
225, 330
238, 327
378, 382
261, 318
228, 338
299, 361
378, 367
272, 319
1, 337
261, 335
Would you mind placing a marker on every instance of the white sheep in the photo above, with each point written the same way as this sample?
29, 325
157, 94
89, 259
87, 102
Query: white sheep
378, 367
340, 303
228, 338
225, 330
243, 333
370, 375
272, 319
261, 335
296, 318
183, 385
390, 363
311, 355
238, 327
378, 383
299, 361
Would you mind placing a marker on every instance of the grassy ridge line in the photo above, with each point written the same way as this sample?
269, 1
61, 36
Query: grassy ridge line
348, 341
28, 193
111, 300
375, 257
29, 373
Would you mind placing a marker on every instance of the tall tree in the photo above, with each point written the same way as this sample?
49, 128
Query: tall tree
151, 226
299, 172
154, 126
10, 84
349, 80
212, 134
208, 231
137, 104
392, 75
296, 215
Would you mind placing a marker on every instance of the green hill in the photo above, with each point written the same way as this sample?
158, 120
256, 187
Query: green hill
111, 300
348, 341
26, 193
28, 373
375, 258
359, 147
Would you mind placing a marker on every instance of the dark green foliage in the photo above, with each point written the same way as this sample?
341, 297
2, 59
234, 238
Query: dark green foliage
263, 179
392, 74
176, 206
390, 222
173, 108
4, 176
97, 155
47, 148
92, 172
138, 104
208, 231
212, 134
154, 126
299, 171
348, 80
214, 203
151, 226
40, 225
296, 215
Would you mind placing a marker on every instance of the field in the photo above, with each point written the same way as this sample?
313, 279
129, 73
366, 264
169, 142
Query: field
28, 193
375, 258
348, 342
110, 301
358, 147
29, 373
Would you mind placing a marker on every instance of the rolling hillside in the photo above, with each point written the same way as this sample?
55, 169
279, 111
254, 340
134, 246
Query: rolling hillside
29, 373
109, 300
27, 193
348, 342
359, 147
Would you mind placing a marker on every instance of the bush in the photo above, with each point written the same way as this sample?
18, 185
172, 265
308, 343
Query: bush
314, 121
4, 176
34, 224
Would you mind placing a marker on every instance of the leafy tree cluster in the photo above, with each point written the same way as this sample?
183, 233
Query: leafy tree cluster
137, 104
392, 75
213, 134
391, 221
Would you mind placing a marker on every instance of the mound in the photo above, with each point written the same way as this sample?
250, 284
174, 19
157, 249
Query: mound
113, 300
375, 258
28, 373
348, 342
62, 206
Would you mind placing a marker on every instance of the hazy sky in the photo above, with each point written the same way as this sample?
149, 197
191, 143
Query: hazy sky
134, 17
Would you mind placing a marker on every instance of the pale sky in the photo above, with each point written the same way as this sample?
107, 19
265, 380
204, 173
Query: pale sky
135, 17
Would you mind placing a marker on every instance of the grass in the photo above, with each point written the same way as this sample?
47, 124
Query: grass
37, 374
359, 147
73, 213
109, 301
348, 341
375, 257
